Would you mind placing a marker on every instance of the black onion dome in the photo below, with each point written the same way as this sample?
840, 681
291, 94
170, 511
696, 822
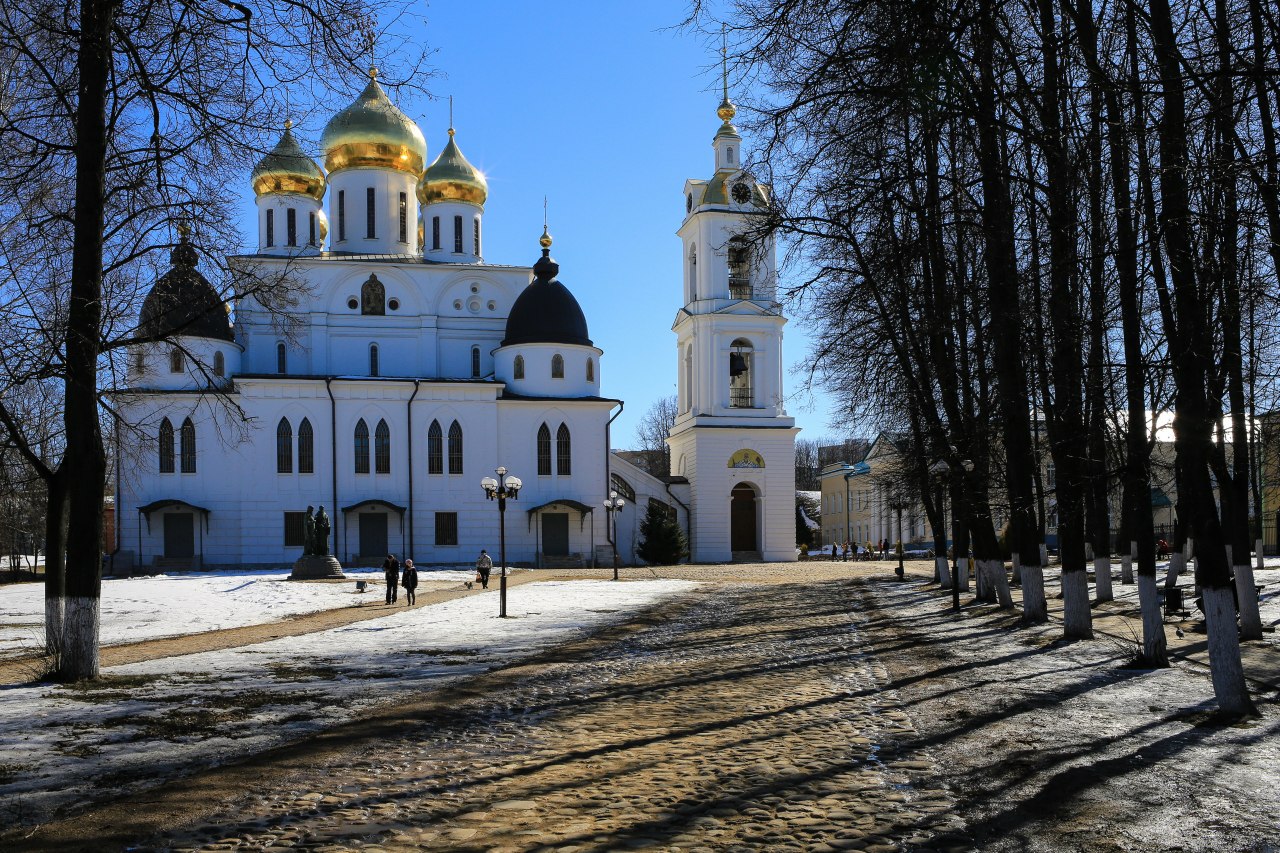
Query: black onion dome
546, 312
183, 302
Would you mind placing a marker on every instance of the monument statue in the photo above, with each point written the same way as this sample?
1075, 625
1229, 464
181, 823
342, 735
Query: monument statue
321, 541
316, 563
308, 532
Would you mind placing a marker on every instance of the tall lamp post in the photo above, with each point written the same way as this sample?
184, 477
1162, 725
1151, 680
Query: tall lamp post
940, 470
502, 488
613, 504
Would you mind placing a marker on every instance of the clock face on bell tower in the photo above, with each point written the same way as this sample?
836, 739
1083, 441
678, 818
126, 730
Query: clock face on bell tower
741, 193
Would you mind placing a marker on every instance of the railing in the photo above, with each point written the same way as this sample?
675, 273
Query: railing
740, 398
740, 288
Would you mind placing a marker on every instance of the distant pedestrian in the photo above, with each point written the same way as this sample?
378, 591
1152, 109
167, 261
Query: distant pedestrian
844, 553
409, 580
835, 552
884, 549
870, 555
484, 566
391, 574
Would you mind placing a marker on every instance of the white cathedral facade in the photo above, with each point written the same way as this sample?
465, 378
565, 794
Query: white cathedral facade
411, 368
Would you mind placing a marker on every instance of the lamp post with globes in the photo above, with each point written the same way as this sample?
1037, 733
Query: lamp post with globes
613, 504
502, 488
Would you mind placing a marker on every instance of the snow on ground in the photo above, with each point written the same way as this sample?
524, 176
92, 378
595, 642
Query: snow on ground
151, 720
145, 608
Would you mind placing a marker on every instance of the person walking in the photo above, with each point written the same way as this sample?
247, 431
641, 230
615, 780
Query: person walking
484, 566
391, 574
409, 580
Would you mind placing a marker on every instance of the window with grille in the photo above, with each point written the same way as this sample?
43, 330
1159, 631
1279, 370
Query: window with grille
519, 367
622, 487
282, 358
562, 450
457, 234
362, 447
166, 447
291, 226
370, 232
342, 215
294, 529
475, 362
435, 232
306, 448
435, 449
404, 218
477, 235
544, 450
382, 448
188, 447
271, 228
284, 447
455, 448
446, 528
739, 269
557, 366
373, 359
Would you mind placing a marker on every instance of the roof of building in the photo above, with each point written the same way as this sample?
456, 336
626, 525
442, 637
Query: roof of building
546, 312
183, 302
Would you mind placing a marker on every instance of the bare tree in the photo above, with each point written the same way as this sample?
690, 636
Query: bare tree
653, 430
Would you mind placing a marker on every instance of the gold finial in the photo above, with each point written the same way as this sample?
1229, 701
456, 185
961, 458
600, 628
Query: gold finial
451, 115
726, 111
545, 239
373, 72
288, 124
184, 230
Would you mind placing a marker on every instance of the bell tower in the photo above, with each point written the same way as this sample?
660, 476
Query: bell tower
732, 438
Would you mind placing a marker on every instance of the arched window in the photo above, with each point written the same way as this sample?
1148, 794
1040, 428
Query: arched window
455, 448
435, 449
740, 358
476, 235
373, 297
562, 450
475, 362
291, 226
369, 206
166, 447
188, 438
271, 228
362, 447
373, 359
306, 448
457, 234
739, 269
284, 447
176, 361
622, 487
219, 364
557, 366
382, 448
544, 450
519, 368
591, 370
282, 358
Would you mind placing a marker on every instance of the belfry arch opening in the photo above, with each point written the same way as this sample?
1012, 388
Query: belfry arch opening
741, 356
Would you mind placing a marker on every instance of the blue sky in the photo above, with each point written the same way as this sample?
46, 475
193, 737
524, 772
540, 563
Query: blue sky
605, 109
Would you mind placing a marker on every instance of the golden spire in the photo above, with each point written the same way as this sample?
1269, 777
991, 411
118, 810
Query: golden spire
726, 111
545, 240
451, 115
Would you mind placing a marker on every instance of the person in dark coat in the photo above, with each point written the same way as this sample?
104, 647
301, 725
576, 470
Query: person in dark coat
409, 580
391, 573
484, 565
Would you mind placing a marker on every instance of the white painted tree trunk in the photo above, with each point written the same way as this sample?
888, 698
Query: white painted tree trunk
1257, 555
997, 582
943, 571
1177, 562
981, 589
1077, 618
1250, 619
53, 628
963, 573
1016, 562
1155, 648
1035, 609
1126, 564
1225, 667
80, 637
1102, 579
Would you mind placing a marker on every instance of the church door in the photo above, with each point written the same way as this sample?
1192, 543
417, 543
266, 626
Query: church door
373, 534
179, 534
555, 534
742, 519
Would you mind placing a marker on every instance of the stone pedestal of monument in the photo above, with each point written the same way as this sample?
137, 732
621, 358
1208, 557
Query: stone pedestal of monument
313, 566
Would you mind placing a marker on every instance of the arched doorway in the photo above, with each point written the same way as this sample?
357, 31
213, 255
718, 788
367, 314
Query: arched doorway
743, 533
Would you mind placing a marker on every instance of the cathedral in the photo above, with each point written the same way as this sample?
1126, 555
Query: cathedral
408, 368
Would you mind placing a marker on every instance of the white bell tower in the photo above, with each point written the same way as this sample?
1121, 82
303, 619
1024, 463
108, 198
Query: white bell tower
732, 438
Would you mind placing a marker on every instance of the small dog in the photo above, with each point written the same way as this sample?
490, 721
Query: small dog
468, 584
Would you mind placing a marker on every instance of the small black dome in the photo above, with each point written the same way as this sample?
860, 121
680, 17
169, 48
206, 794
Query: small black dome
546, 312
183, 302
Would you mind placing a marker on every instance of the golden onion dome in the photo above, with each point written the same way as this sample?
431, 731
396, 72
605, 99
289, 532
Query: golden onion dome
287, 169
372, 132
452, 178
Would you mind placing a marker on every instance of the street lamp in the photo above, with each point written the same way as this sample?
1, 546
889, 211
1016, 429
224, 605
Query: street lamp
613, 504
502, 488
940, 470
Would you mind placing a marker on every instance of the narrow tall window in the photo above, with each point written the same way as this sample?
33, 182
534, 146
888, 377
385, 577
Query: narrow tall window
362, 447
435, 232
306, 448
457, 234
562, 450
311, 229
591, 370
729, 152
175, 361
342, 216
382, 448
455, 448
284, 447
219, 364
693, 272
373, 359
519, 367
544, 450
476, 235
557, 366
475, 362
282, 358
404, 218
291, 226
370, 232
166, 447
435, 449
188, 436
271, 228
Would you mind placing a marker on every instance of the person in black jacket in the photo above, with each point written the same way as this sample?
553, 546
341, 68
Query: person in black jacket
409, 580
391, 573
